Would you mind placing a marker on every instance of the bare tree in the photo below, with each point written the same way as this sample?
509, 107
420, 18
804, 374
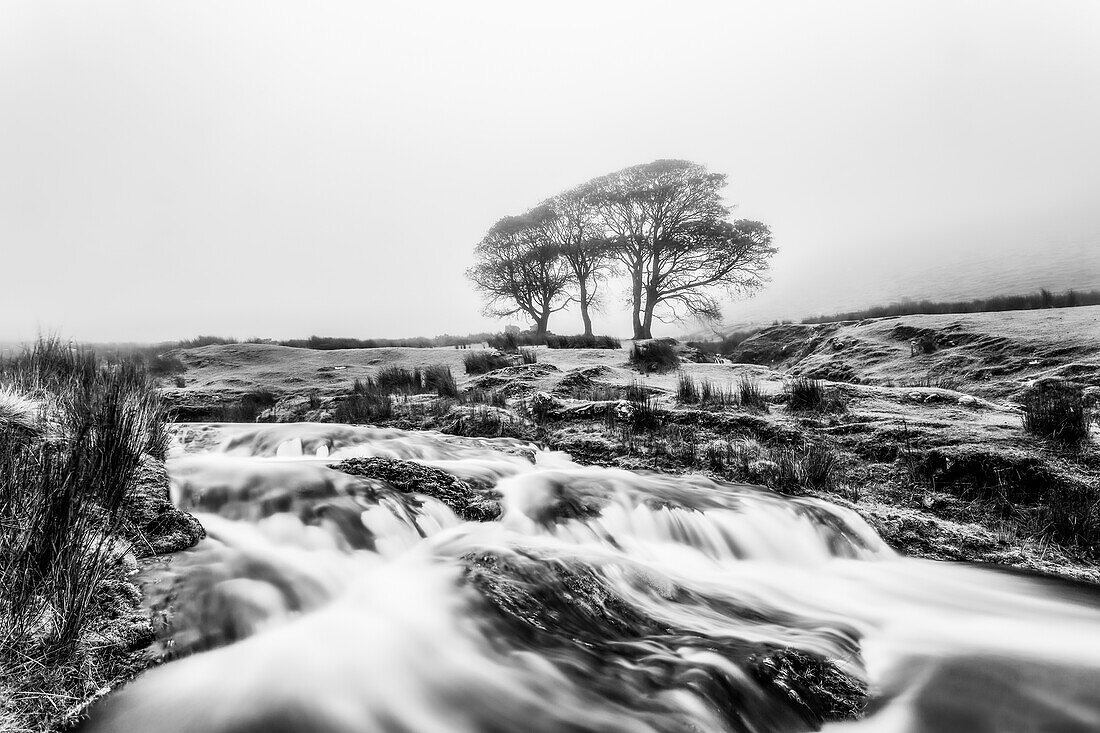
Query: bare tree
669, 228
576, 231
519, 270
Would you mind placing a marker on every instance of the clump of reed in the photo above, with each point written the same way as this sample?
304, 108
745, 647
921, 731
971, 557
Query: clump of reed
811, 395
73, 431
1057, 410
654, 356
484, 360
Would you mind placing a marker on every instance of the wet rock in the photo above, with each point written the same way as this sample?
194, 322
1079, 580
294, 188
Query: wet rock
569, 612
463, 498
153, 525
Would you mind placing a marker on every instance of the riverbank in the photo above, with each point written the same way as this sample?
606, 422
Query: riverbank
925, 443
84, 501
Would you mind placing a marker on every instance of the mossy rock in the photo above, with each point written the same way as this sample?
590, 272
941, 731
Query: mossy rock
153, 525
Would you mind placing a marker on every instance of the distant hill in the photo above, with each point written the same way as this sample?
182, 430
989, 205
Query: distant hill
802, 289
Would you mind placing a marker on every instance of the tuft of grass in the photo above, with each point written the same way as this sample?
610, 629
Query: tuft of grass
645, 416
712, 394
810, 467
394, 379
491, 397
686, 390
791, 469
364, 408
654, 356
439, 379
810, 395
597, 393
19, 412
750, 395
804, 394
1057, 410
528, 356
945, 381
481, 422
484, 360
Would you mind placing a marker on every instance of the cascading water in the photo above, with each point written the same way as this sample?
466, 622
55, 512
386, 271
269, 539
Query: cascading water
595, 600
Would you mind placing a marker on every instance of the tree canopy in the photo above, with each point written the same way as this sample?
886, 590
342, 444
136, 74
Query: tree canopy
664, 222
519, 271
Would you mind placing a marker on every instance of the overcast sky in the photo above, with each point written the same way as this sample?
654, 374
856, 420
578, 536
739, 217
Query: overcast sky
282, 169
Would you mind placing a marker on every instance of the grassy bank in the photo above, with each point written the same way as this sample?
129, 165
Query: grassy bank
77, 437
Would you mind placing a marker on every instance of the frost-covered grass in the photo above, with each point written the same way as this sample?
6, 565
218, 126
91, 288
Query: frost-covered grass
73, 431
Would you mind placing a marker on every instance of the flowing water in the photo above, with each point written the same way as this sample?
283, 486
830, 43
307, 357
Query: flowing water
595, 600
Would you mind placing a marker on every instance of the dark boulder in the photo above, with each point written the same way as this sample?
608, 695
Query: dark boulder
463, 498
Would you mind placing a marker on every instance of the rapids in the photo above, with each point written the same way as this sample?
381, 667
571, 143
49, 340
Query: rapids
597, 600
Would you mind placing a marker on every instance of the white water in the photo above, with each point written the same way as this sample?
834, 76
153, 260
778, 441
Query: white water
325, 602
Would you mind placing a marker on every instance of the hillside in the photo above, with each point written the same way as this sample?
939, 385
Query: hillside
992, 355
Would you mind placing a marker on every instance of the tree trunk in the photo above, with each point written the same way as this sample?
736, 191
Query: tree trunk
584, 307
647, 317
636, 310
542, 322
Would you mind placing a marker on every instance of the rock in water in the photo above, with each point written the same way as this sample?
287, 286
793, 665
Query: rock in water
461, 497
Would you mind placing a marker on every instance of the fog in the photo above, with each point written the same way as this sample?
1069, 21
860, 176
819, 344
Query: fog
281, 169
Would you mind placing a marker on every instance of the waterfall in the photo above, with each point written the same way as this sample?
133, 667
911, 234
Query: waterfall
596, 600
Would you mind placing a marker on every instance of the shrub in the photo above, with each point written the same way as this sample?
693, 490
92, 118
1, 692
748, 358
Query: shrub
750, 395
654, 356
528, 356
484, 360
1057, 410
441, 380
686, 391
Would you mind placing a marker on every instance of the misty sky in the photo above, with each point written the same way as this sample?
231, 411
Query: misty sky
282, 169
